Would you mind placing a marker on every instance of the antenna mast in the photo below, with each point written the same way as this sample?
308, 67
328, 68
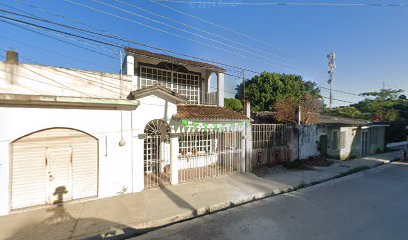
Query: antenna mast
332, 67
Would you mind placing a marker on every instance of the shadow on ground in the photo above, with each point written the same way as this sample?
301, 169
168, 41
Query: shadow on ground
61, 225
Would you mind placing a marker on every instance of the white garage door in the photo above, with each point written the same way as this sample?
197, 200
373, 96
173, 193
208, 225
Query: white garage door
52, 166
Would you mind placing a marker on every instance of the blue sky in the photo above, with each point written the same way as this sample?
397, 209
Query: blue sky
371, 43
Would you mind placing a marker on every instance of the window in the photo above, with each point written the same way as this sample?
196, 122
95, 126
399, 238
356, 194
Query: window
184, 84
196, 143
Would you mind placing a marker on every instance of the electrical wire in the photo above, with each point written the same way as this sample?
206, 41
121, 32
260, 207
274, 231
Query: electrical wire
309, 4
173, 34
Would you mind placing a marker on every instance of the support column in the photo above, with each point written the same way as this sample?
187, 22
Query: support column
129, 65
248, 146
243, 151
220, 89
174, 164
138, 163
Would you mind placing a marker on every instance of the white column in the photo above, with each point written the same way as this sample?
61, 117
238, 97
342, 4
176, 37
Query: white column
247, 108
243, 151
129, 65
248, 146
220, 89
174, 164
138, 162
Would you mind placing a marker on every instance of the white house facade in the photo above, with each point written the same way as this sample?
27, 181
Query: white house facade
73, 135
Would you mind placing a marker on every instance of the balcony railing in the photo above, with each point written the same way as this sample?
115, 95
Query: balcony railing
209, 99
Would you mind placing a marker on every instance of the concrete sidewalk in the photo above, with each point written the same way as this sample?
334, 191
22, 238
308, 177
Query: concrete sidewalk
131, 214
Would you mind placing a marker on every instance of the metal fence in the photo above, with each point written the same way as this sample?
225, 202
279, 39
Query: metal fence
210, 98
156, 161
272, 144
205, 154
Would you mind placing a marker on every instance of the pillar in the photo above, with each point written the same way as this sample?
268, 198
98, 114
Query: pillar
174, 164
129, 68
220, 89
138, 163
248, 146
243, 152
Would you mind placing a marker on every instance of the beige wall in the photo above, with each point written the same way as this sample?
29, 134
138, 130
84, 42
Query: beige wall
46, 80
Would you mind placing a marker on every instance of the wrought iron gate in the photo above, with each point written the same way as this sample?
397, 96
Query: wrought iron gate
205, 154
157, 154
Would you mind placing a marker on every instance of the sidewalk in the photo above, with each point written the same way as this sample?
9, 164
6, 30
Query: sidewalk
131, 214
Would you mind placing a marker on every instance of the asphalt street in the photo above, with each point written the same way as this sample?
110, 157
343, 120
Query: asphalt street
367, 205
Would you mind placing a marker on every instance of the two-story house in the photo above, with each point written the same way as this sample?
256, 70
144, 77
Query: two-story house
70, 134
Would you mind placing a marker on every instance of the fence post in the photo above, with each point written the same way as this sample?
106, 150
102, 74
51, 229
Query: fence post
138, 166
174, 163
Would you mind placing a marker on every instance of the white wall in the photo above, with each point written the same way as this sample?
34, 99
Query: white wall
308, 141
115, 165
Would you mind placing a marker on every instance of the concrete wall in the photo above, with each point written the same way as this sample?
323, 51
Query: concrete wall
46, 80
353, 148
115, 162
308, 141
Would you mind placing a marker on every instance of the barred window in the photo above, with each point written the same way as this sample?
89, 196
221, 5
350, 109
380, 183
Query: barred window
196, 143
184, 84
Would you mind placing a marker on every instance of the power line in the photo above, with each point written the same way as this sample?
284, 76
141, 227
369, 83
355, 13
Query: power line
151, 47
309, 4
189, 32
38, 26
213, 23
173, 34
203, 31
340, 91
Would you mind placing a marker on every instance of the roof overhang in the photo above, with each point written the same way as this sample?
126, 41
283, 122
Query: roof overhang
159, 91
47, 101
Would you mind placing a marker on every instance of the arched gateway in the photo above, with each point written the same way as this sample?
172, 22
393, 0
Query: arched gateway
157, 153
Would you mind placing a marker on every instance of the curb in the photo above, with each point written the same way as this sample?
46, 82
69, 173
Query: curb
145, 227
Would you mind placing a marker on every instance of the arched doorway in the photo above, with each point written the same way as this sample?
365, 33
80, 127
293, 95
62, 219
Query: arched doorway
157, 153
52, 166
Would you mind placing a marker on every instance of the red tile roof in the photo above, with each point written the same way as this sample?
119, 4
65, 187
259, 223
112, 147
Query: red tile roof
188, 111
172, 59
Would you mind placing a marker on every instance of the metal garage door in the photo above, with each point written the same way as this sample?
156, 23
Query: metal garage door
53, 165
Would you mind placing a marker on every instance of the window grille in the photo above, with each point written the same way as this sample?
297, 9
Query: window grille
196, 143
185, 84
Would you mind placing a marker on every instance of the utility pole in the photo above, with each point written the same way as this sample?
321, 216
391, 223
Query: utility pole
332, 67
243, 87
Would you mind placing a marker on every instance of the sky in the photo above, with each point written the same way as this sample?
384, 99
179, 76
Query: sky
371, 43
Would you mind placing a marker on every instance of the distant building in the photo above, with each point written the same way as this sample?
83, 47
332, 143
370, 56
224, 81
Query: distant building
343, 138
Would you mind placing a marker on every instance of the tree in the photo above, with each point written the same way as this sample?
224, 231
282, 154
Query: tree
346, 111
264, 90
388, 105
384, 94
286, 109
234, 104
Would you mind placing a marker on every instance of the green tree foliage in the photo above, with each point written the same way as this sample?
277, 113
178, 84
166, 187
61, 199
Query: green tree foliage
389, 104
347, 111
264, 90
234, 104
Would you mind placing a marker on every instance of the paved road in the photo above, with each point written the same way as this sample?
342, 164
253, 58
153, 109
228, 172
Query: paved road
369, 205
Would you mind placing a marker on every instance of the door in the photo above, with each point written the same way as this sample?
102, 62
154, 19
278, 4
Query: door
364, 142
157, 154
59, 175
53, 165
